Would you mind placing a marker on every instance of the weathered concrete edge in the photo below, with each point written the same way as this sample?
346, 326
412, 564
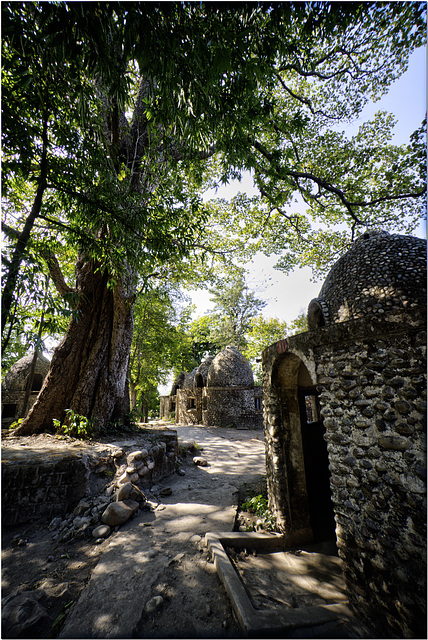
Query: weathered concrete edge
256, 620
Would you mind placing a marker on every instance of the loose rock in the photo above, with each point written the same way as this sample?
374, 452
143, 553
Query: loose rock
130, 491
136, 455
103, 531
154, 604
117, 513
200, 462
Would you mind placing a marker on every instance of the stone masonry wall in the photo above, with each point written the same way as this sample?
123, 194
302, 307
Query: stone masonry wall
276, 475
372, 380
232, 407
43, 477
373, 407
188, 410
41, 489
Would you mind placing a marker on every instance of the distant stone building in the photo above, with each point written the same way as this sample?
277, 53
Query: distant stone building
219, 392
345, 428
14, 386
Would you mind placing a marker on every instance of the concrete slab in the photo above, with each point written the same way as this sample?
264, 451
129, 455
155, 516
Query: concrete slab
329, 614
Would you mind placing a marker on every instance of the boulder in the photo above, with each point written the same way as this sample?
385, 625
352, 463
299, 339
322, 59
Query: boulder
117, 513
21, 613
129, 491
132, 504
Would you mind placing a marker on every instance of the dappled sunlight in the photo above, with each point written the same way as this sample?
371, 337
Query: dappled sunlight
290, 579
160, 550
231, 452
104, 622
184, 517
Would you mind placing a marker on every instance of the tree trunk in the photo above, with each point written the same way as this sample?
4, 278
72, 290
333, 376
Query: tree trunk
144, 407
89, 368
21, 245
132, 395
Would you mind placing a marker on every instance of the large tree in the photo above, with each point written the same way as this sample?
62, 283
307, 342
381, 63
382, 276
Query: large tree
234, 308
161, 87
160, 344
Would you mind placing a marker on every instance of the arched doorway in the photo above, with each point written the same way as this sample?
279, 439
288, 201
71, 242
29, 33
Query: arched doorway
199, 381
317, 475
300, 464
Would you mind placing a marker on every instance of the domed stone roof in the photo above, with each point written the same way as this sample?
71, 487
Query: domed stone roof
16, 378
379, 273
230, 369
201, 376
189, 379
178, 383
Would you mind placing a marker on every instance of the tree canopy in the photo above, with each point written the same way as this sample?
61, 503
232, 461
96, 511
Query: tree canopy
128, 111
234, 308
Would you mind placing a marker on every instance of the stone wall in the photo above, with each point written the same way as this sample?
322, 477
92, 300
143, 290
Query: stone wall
165, 408
14, 386
188, 406
44, 477
13, 405
371, 375
232, 407
41, 489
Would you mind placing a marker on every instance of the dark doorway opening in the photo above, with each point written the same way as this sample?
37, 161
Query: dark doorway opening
37, 382
9, 411
199, 381
316, 467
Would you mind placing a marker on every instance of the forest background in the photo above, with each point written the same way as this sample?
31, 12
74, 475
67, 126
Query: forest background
109, 159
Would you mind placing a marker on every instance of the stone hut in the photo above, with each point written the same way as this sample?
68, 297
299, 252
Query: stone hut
219, 392
344, 410
14, 386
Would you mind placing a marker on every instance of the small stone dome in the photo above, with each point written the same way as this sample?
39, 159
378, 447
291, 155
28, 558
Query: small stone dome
201, 376
17, 376
230, 369
189, 379
380, 273
178, 383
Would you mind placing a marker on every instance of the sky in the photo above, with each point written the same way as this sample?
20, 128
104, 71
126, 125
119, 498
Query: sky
288, 295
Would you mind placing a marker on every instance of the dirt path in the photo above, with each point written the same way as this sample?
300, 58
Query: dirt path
152, 578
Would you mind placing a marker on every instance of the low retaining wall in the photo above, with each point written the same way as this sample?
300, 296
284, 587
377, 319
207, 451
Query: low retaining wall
44, 476
40, 490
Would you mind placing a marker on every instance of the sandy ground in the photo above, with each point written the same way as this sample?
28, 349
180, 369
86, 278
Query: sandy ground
153, 577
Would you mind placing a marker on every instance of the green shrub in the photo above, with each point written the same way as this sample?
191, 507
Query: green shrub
259, 506
77, 426
16, 424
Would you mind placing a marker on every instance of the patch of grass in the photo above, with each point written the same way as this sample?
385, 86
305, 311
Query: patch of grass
60, 619
258, 505
254, 500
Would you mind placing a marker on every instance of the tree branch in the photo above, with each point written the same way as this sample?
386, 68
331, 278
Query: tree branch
282, 173
51, 261
305, 100
18, 254
56, 273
